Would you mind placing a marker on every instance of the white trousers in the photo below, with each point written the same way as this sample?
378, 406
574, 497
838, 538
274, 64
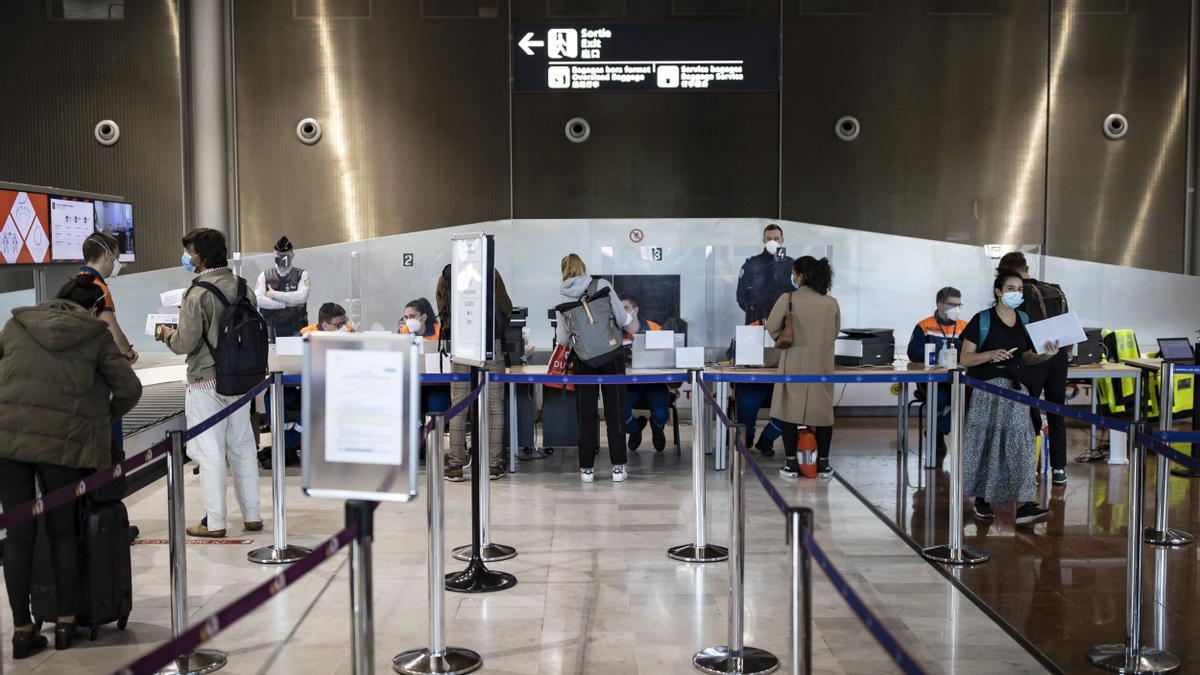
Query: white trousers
231, 438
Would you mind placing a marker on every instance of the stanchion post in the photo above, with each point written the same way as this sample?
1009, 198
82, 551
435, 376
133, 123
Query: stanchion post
902, 418
280, 552
954, 553
488, 552
735, 656
931, 423
199, 661
1162, 534
800, 525
438, 658
719, 436
514, 419
477, 578
362, 624
699, 551
1132, 657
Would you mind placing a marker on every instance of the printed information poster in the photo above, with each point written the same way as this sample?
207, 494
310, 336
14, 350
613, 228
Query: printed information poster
364, 406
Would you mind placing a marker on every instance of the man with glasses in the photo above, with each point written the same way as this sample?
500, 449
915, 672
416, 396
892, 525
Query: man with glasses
331, 318
943, 329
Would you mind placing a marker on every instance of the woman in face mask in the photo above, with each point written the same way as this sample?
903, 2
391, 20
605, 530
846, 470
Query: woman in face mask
419, 319
999, 461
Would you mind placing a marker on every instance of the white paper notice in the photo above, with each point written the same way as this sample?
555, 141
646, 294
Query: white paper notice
153, 320
364, 406
750, 345
1065, 328
172, 298
289, 346
660, 339
689, 357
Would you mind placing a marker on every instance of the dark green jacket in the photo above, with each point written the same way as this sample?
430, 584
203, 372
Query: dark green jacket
62, 382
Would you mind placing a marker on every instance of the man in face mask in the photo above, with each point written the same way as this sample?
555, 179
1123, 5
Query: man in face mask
331, 318
764, 277
282, 292
943, 329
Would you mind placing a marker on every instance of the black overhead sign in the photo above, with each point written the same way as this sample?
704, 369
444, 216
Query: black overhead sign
704, 56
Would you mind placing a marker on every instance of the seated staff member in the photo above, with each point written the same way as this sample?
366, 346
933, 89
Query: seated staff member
998, 449
944, 327
419, 319
331, 318
813, 320
654, 397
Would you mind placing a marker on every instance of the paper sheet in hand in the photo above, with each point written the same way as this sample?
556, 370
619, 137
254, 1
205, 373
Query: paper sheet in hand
1065, 328
750, 344
153, 320
364, 408
660, 339
172, 298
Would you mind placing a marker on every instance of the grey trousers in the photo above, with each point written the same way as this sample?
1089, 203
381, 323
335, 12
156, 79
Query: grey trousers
456, 455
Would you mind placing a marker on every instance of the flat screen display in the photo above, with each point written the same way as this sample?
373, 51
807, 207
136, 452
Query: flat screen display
25, 236
116, 218
72, 220
1176, 350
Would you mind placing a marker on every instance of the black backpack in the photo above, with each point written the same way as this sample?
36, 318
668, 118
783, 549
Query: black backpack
1043, 300
241, 351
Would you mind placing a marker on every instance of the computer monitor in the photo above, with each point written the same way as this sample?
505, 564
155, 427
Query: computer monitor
24, 228
1176, 350
116, 218
72, 221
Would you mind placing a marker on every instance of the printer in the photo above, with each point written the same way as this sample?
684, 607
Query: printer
857, 347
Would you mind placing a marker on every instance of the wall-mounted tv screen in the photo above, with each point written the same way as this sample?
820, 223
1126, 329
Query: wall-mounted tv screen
116, 218
72, 220
25, 235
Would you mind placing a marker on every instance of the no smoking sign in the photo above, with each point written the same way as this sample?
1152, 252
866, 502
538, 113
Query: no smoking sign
636, 236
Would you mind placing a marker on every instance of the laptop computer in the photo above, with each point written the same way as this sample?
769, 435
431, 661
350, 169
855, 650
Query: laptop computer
653, 358
1176, 350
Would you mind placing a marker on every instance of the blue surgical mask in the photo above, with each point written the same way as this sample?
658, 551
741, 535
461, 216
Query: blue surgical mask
1012, 299
794, 284
186, 261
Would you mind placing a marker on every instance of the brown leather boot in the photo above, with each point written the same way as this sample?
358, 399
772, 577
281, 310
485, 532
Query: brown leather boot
203, 531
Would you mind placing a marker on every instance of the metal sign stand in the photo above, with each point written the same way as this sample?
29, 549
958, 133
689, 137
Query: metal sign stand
700, 551
954, 553
477, 578
438, 659
362, 624
488, 552
280, 552
199, 661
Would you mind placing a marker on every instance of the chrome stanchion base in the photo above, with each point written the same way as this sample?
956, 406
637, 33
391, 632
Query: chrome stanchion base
453, 661
698, 554
716, 660
1113, 657
197, 663
269, 555
1185, 473
1168, 537
479, 579
489, 553
955, 556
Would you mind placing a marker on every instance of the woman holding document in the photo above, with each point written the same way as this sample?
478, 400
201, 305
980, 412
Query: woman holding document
998, 450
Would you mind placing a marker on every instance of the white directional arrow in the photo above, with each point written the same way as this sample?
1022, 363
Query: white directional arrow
527, 42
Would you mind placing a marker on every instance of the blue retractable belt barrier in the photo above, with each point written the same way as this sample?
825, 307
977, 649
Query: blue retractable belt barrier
467, 400
1056, 408
1178, 436
229, 410
1164, 450
864, 378
1187, 369
521, 378
426, 378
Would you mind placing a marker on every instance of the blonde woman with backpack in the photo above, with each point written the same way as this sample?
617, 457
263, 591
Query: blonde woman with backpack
577, 288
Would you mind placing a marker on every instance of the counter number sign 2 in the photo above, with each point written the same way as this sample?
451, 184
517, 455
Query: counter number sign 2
408, 260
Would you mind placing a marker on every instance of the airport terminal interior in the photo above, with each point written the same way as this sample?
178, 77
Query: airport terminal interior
599, 336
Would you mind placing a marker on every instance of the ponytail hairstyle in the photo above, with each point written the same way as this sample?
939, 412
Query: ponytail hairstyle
83, 291
818, 274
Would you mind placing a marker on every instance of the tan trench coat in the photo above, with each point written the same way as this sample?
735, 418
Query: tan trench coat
818, 319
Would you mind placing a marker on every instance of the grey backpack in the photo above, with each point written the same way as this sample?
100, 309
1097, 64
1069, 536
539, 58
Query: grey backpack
595, 337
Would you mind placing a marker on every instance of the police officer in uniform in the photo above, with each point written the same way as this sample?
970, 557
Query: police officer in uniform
764, 277
283, 293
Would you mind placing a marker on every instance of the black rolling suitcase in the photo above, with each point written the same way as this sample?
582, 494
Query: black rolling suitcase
105, 584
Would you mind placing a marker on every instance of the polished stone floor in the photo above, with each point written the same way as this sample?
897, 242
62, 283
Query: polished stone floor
1061, 584
596, 592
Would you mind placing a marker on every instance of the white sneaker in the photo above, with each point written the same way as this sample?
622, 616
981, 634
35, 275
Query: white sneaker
587, 475
619, 473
